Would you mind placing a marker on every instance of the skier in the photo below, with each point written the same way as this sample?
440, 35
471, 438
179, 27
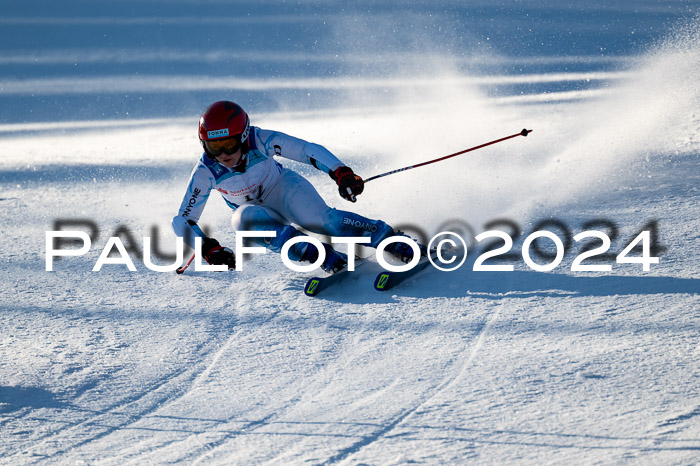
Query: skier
238, 162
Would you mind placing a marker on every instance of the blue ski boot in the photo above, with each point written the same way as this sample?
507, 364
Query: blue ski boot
403, 251
334, 262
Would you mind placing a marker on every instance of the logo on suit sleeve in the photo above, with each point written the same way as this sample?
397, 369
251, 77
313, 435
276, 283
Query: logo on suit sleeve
191, 202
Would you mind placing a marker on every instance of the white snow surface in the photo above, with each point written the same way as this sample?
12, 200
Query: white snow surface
522, 367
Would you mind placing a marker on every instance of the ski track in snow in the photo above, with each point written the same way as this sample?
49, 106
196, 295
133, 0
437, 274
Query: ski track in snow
129, 411
404, 416
231, 428
121, 416
196, 455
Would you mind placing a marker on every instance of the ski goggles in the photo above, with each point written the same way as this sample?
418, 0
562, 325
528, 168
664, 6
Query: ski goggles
216, 147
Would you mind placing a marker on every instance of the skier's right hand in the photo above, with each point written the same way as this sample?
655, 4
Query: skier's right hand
350, 185
215, 254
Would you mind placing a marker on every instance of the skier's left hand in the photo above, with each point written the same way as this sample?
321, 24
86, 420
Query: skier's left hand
223, 256
350, 185
216, 254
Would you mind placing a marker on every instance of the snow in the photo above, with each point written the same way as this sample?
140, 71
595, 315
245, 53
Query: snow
98, 114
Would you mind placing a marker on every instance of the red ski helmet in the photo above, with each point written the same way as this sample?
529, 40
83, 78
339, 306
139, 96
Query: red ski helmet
224, 120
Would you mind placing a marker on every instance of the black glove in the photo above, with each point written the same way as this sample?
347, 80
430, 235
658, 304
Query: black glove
349, 184
216, 254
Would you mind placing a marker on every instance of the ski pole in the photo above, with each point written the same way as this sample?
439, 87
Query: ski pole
524, 132
184, 267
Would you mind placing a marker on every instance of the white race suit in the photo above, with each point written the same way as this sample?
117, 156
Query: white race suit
266, 196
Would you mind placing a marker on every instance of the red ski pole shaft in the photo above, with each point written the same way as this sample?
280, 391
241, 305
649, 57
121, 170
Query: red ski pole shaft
524, 132
184, 267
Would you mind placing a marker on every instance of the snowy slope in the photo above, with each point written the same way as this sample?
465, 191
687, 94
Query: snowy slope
97, 123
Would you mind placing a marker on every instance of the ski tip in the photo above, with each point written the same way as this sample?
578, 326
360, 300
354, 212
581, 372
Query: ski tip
381, 282
312, 288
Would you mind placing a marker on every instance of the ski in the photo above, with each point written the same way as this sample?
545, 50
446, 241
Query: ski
387, 280
317, 284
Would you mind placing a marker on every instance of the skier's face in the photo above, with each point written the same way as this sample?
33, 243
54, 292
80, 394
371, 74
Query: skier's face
230, 160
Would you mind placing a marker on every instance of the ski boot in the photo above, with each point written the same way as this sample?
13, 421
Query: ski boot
334, 262
403, 251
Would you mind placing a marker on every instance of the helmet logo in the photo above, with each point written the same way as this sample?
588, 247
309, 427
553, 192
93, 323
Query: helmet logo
244, 134
219, 133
